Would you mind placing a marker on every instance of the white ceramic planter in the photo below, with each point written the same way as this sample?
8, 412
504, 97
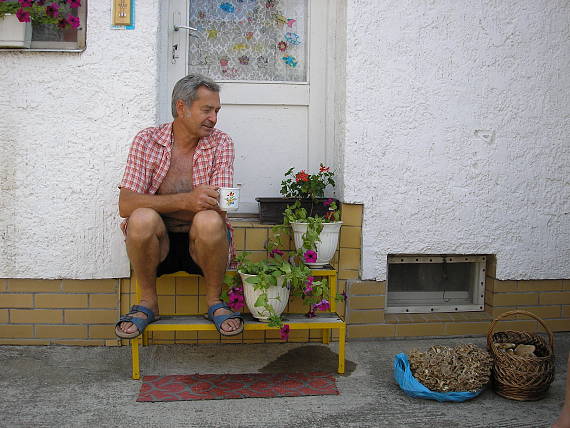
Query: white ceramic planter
278, 298
329, 241
15, 34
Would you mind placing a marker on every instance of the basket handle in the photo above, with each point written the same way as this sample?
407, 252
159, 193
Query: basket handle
517, 312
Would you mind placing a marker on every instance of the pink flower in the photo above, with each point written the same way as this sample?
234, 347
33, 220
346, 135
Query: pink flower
25, 3
236, 299
328, 202
73, 21
310, 256
323, 305
274, 253
52, 10
74, 3
284, 332
22, 15
309, 286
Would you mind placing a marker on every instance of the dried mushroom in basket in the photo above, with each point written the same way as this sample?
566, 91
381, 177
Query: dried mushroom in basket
464, 368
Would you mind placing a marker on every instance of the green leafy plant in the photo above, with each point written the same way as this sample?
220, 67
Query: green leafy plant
303, 185
297, 214
296, 275
59, 13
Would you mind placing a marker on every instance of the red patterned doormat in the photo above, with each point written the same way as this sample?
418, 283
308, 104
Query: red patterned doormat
221, 386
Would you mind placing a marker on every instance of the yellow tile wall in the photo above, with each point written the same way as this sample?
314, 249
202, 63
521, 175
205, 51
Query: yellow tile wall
65, 312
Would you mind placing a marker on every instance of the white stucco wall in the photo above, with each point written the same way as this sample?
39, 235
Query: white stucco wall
67, 120
458, 130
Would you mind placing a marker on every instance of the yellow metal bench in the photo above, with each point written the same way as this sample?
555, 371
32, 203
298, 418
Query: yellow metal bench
325, 321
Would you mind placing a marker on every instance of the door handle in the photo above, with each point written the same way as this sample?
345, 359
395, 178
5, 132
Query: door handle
178, 27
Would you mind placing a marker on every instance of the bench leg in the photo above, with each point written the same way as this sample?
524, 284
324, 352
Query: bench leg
135, 358
326, 336
341, 341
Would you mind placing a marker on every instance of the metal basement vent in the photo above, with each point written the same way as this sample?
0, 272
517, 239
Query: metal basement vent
438, 283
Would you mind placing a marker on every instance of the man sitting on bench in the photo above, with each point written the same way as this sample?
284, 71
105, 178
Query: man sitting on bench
170, 200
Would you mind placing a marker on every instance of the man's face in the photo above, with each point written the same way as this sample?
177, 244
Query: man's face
201, 116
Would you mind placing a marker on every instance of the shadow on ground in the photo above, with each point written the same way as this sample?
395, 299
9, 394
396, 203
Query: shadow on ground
308, 359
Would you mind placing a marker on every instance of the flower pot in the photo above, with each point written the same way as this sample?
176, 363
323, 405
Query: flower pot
13, 33
271, 209
326, 247
278, 297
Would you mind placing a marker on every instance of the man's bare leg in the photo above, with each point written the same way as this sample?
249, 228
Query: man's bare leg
209, 248
563, 420
147, 245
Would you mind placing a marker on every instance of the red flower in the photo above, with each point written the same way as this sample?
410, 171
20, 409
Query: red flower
302, 176
282, 46
324, 168
74, 3
25, 3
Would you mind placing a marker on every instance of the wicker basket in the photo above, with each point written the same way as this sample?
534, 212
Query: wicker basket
519, 377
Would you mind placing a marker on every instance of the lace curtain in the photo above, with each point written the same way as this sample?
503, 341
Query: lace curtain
253, 40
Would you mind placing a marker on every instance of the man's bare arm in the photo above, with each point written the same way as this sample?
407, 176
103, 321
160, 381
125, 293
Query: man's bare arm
199, 199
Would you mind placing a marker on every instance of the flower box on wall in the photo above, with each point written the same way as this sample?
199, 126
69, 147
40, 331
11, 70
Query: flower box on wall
271, 209
13, 33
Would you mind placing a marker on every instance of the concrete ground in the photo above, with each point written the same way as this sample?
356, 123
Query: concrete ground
83, 386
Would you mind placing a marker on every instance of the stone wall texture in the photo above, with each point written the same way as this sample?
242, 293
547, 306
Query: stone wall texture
457, 131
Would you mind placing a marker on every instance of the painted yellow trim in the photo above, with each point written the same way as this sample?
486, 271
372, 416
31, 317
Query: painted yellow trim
325, 326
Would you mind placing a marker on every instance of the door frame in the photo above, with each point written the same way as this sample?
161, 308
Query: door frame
325, 81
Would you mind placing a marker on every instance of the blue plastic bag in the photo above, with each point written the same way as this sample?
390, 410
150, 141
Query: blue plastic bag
414, 388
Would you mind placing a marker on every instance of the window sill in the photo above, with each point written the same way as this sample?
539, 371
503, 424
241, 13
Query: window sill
43, 50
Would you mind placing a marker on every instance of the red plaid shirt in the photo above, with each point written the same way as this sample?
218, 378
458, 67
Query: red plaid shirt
149, 161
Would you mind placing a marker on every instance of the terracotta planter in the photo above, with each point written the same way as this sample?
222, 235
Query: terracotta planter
278, 297
15, 34
271, 209
329, 241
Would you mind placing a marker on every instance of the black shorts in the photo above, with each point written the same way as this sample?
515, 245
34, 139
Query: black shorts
178, 257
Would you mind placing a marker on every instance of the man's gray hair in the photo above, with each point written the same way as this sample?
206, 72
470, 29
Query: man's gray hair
186, 89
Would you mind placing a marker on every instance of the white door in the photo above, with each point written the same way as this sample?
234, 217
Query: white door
270, 57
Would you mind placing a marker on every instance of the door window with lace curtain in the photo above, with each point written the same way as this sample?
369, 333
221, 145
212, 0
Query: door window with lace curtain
249, 40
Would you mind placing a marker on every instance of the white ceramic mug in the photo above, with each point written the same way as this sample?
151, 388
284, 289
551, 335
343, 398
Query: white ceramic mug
229, 198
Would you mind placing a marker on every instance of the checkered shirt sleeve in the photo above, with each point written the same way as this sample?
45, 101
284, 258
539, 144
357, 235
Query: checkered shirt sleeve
223, 171
137, 176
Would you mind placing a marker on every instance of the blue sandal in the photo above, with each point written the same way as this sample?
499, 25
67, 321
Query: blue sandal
219, 319
140, 323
